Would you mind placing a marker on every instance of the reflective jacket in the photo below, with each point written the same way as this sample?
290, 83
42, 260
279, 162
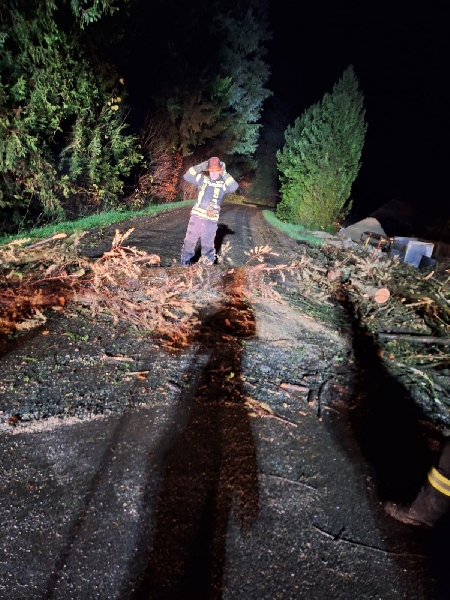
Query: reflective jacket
210, 193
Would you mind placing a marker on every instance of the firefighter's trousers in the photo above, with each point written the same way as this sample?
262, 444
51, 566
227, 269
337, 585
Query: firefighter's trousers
203, 230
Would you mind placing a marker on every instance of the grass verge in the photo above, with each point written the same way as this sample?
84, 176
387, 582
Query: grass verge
96, 221
296, 232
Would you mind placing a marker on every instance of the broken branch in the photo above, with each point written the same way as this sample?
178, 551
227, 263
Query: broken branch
419, 339
57, 236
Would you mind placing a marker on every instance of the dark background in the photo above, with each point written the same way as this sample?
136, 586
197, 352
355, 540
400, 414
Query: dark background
400, 52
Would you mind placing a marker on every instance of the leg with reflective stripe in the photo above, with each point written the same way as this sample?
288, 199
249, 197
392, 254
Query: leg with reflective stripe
439, 482
433, 500
193, 232
439, 478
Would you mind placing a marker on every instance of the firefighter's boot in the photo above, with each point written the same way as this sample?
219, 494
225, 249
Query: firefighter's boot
432, 502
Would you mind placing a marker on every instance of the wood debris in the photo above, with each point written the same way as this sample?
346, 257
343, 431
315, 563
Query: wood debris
113, 359
168, 302
262, 409
415, 308
294, 387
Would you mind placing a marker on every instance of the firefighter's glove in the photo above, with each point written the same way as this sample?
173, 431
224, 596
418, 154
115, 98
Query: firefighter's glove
223, 165
212, 210
203, 166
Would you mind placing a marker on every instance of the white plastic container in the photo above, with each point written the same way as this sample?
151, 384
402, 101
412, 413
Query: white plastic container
411, 250
415, 250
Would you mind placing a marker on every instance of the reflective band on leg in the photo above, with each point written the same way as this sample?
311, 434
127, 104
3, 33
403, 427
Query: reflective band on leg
439, 482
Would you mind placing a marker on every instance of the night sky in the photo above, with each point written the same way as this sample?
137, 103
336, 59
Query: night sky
401, 54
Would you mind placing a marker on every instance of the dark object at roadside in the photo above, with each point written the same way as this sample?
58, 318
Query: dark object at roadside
426, 261
433, 500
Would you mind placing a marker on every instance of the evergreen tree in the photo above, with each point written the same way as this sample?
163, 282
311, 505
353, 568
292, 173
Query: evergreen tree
243, 33
61, 120
210, 74
198, 114
321, 157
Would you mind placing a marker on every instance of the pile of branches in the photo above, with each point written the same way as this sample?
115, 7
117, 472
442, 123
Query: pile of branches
411, 322
165, 303
37, 276
416, 303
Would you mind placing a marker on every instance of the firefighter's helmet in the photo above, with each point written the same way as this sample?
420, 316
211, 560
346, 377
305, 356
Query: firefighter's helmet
214, 164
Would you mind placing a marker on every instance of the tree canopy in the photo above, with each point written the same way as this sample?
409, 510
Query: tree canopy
196, 70
63, 144
321, 157
209, 75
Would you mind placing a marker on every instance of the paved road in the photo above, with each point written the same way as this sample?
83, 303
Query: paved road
227, 486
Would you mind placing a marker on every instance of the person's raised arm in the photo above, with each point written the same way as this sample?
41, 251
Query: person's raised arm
193, 175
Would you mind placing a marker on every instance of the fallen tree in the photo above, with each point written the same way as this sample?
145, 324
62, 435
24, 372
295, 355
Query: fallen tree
162, 302
168, 303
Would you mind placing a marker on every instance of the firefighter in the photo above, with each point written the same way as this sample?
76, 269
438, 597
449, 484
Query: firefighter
433, 500
205, 212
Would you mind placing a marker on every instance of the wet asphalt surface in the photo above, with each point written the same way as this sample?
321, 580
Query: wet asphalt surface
210, 478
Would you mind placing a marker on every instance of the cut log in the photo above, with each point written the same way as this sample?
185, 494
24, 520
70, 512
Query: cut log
380, 295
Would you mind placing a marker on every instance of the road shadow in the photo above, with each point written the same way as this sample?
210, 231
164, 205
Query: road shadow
391, 441
209, 473
222, 231
388, 425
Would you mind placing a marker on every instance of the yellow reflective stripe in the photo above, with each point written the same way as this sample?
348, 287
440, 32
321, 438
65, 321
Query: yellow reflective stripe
439, 482
216, 194
202, 191
199, 176
192, 171
229, 180
201, 212
443, 480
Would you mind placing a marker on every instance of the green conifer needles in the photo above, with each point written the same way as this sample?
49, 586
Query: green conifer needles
321, 157
63, 140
